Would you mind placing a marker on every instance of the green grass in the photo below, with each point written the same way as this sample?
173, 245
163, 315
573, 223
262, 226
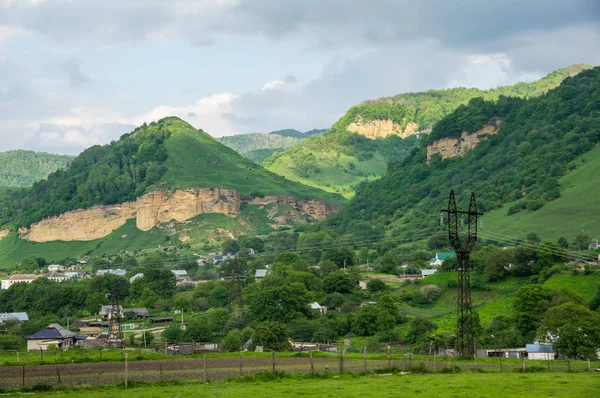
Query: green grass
441, 385
197, 160
336, 174
576, 209
14, 249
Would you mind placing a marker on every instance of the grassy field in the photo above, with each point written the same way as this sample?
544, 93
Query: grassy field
441, 385
496, 298
336, 173
576, 210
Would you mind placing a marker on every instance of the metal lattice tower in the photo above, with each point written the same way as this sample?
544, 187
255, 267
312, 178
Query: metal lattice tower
115, 337
465, 339
236, 287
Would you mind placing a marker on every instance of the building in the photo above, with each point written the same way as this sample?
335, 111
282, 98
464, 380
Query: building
318, 307
136, 276
56, 268
56, 277
427, 272
180, 274
118, 272
11, 280
52, 335
139, 312
543, 352
105, 311
440, 257
259, 274
14, 316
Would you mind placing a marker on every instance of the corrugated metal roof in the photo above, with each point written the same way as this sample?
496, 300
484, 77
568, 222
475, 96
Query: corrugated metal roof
539, 348
260, 273
19, 316
52, 331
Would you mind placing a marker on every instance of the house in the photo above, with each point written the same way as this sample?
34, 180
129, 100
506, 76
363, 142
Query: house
440, 257
427, 272
56, 277
55, 268
79, 324
539, 351
594, 245
180, 274
52, 335
259, 274
105, 311
71, 274
164, 319
139, 312
317, 307
136, 276
11, 280
14, 316
91, 331
118, 272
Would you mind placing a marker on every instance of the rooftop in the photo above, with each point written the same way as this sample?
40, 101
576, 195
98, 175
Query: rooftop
444, 255
52, 331
19, 316
22, 277
260, 273
539, 348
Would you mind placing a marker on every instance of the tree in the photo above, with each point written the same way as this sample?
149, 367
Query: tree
277, 303
531, 303
173, 334
219, 297
387, 264
198, 330
334, 300
160, 280
582, 241
338, 281
233, 341
94, 301
365, 321
563, 242
419, 329
573, 329
595, 301
496, 262
376, 285
341, 257
327, 267
253, 242
533, 238
438, 241
230, 246
430, 293
272, 336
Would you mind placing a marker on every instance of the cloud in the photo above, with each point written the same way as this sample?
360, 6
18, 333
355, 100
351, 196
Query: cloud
71, 68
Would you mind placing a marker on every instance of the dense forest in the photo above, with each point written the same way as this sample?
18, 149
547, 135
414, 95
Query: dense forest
22, 168
539, 141
108, 174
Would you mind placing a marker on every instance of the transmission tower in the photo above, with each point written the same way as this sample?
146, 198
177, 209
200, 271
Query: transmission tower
115, 337
236, 286
465, 340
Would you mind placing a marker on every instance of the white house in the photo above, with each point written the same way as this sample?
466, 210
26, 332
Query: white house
14, 316
259, 274
542, 352
318, 307
427, 272
440, 257
179, 273
136, 276
56, 277
118, 272
6, 283
56, 268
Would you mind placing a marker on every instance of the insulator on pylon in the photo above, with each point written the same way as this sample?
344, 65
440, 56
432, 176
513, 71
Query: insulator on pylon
462, 222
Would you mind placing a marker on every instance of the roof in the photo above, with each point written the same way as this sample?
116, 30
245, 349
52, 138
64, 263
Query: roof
79, 324
260, 273
55, 275
138, 311
119, 272
426, 272
19, 316
71, 274
444, 255
433, 260
136, 276
22, 277
539, 348
52, 331
163, 319
315, 306
179, 272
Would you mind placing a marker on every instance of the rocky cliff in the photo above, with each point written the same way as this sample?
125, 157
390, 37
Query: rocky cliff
148, 210
382, 128
163, 207
452, 147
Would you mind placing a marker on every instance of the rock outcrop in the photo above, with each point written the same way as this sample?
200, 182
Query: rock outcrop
452, 147
3, 233
148, 210
162, 207
382, 128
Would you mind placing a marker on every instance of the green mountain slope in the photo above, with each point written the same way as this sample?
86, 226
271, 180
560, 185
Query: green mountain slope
169, 156
404, 115
259, 146
539, 141
22, 168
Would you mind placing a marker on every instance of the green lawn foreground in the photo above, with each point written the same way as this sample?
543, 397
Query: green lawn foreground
418, 385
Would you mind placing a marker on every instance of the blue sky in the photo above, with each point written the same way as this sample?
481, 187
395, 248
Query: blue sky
78, 73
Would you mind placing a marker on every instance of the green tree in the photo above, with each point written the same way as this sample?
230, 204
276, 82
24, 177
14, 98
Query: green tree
173, 334
198, 330
419, 329
219, 297
496, 263
272, 336
376, 285
531, 303
161, 281
338, 281
233, 341
582, 241
327, 267
230, 246
573, 329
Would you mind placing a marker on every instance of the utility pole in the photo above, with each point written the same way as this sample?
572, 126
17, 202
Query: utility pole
115, 337
465, 339
236, 286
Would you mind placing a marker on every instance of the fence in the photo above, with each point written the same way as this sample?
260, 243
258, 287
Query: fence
218, 367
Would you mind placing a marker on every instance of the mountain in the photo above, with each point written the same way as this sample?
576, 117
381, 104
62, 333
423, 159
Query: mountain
259, 146
163, 181
361, 143
530, 161
22, 168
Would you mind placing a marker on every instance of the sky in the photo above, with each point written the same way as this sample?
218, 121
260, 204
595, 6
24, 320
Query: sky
75, 73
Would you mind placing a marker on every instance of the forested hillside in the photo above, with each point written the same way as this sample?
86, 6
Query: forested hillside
22, 168
539, 141
324, 161
259, 146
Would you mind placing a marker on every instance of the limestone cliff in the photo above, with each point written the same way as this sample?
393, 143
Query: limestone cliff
148, 210
164, 207
382, 128
452, 147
